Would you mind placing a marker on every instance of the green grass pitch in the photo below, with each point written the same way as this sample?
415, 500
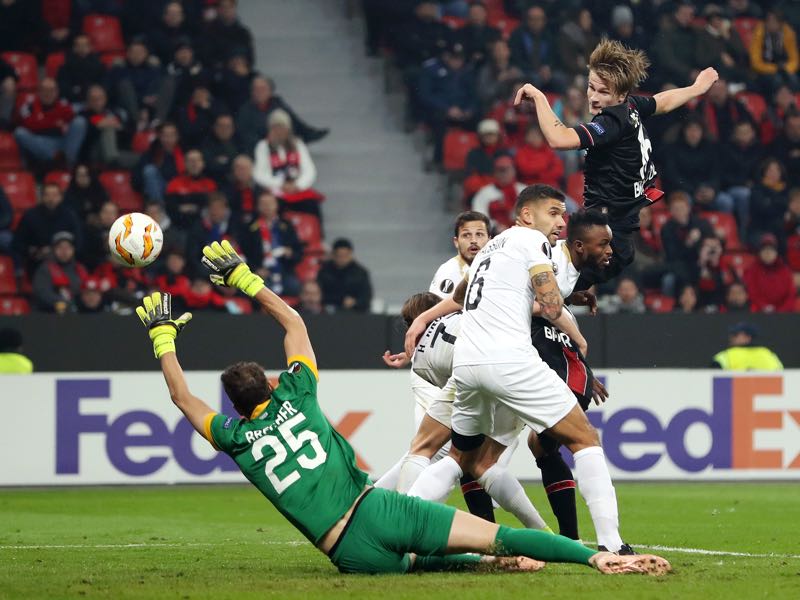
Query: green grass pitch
228, 542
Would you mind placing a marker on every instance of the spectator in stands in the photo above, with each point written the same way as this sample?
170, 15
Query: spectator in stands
786, 147
533, 49
311, 299
251, 121
419, 39
380, 16
514, 120
39, 224
743, 355
628, 299
783, 104
203, 295
95, 246
187, 194
625, 30
22, 27
497, 199
57, 282
85, 194
774, 54
162, 162
479, 165
140, 86
170, 31
497, 76
196, 118
109, 129
48, 126
6, 220
769, 280
536, 162
272, 247
711, 278
573, 108
345, 283
185, 70
214, 225
221, 147
736, 299
477, 35
768, 203
12, 361
173, 238
791, 221
243, 190
687, 300
720, 46
576, 41
675, 49
744, 8
283, 164
738, 172
232, 84
721, 112
8, 92
682, 236
82, 67
92, 299
225, 34
174, 279
447, 95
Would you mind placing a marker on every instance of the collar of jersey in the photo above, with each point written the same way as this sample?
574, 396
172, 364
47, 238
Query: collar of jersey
259, 409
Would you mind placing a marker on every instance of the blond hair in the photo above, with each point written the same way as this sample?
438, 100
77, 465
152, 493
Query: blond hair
621, 68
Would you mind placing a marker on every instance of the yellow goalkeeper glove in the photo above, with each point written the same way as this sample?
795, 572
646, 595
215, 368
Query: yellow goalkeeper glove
156, 314
228, 269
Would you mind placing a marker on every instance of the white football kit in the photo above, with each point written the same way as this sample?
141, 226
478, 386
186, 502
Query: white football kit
499, 376
566, 273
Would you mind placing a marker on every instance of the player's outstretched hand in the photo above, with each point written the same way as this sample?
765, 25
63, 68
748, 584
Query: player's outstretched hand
396, 361
706, 79
413, 334
228, 269
156, 315
599, 392
526, 92
584, 298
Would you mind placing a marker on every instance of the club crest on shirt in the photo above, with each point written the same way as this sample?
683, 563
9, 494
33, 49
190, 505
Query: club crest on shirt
447, 286
634, 118
555, 269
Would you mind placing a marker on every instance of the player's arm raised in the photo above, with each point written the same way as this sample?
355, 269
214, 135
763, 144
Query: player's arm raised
558, 135
228, 269
445, 307
671, 99
156, 315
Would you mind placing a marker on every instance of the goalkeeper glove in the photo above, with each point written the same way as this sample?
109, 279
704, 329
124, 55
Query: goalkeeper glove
228, 269
156, 314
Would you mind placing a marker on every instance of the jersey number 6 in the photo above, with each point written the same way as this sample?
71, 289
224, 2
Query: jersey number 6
477, 286
295, 444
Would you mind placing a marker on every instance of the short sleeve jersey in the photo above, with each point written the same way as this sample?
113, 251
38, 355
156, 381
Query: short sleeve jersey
566, 273
433, 358
292, 454
448, 276
619, 163
496, 324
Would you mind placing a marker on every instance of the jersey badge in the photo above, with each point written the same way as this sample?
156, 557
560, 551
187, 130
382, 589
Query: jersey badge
597, 127
447, 286
227, 424
555, 269
295, 368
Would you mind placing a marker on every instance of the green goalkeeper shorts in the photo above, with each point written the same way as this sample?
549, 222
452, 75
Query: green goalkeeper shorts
386, 527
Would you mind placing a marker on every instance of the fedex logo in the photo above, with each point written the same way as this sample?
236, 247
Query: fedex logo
744, 434
82, 409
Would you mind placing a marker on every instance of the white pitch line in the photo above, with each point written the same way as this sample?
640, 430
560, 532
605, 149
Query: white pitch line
715, 552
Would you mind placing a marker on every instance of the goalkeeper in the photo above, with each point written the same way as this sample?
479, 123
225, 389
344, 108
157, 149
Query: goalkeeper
287, 449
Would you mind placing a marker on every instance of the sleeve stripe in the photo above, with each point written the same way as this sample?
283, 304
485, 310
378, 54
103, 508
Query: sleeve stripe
536, 269
306, 361
207, 429
589, 133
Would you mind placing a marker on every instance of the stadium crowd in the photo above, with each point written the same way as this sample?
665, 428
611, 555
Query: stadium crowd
727, 238
115, 106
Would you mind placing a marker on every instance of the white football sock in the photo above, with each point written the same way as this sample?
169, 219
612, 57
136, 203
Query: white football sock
389, 479
437, 481
503, 487
594, 483
413, 466
441, 453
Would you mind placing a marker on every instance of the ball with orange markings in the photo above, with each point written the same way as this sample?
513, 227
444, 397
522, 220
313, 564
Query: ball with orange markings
135, 240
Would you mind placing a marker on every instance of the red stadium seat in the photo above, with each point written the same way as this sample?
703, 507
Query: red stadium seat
457, 144
505, 24
755, 103
659, 303
26, 67
308, 230
142, 140
659, 218
109, 59
307, 269
60, 178
453, 22
724, 225
20, 189
9, 153
552, 97
495, 9
120, 191
745, 26
736, 263
105, 33
14, 306
53, 63
8, 282
575, 187
245, 305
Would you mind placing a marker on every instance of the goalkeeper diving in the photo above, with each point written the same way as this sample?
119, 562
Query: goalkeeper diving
286, 448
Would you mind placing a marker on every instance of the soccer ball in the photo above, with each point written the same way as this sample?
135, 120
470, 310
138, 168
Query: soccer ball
135, 240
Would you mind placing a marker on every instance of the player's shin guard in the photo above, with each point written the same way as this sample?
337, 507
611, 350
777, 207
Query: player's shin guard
594, 482
413, 466
559, 485
478, 501
540, 545
503, 487
437, 481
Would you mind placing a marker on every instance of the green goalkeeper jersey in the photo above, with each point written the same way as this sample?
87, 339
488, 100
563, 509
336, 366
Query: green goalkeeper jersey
292, 454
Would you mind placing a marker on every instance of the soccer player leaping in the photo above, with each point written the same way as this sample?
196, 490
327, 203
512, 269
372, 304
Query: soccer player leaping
619, 171
286, 448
